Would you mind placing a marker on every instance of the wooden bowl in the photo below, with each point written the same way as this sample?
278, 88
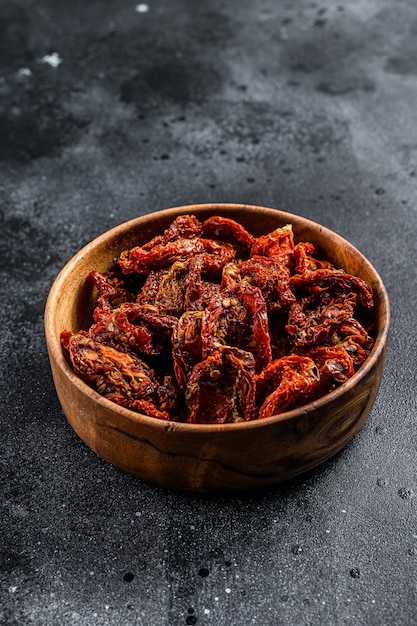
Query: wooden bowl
208, 457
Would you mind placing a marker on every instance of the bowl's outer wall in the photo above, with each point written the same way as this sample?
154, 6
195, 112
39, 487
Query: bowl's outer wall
207, 457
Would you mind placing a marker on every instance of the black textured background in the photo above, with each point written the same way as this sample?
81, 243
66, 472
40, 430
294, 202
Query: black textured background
106, 113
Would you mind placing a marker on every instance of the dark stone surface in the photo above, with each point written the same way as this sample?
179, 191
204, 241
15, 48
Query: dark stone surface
107, 113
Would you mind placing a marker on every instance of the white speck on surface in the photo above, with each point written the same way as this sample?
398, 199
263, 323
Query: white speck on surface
327, 531
138, 513
142, 8
228, 590
24, 72
192, 527
206, 611
53, 59
216, 599
12, 589
343, 510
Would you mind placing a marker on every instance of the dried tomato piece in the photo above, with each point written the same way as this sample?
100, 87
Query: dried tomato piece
198, 292
304, 260
286, 384
337, 282
334, 364
313, 319
143, 261
139, 327
118, 376
221, 388
271, 278
112, 290
229, 230
277, 245
355, 339
168, 396
187, 226
171, 290
237, 316
150, 288
186, 345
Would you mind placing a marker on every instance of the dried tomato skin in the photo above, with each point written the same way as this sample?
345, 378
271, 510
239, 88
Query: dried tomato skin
226, 229
334, 364
312, 320
271, 278
304, 258
140, 406
143, 261
187, 226
237, 316
139, 327
286, 384
277, 245
337, 282
111, 288
198, 292
186, 345
150, 288
221, 388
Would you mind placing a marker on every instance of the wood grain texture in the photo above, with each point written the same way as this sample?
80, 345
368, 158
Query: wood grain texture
210, 458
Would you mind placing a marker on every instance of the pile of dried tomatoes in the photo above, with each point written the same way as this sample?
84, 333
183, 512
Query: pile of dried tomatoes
206, 323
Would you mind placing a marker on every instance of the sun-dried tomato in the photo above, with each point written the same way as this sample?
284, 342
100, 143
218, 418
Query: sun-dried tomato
303, 257
271, 278
143, 261
187, 345
313, 319
150, 288
198, 289
221, 388
171, 291
187, 226
287, 383
337, 282
237, 316
118, 376
334, 365
228, 230
112, 290
139, 327
277, 245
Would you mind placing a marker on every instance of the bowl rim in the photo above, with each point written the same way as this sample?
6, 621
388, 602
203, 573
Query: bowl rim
55, 348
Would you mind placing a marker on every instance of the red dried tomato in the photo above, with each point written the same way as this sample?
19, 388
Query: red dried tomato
120, 377
287, 383
271, 278
221, 388
228, 230
143, 260
187, 345
237, 316
277, 245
